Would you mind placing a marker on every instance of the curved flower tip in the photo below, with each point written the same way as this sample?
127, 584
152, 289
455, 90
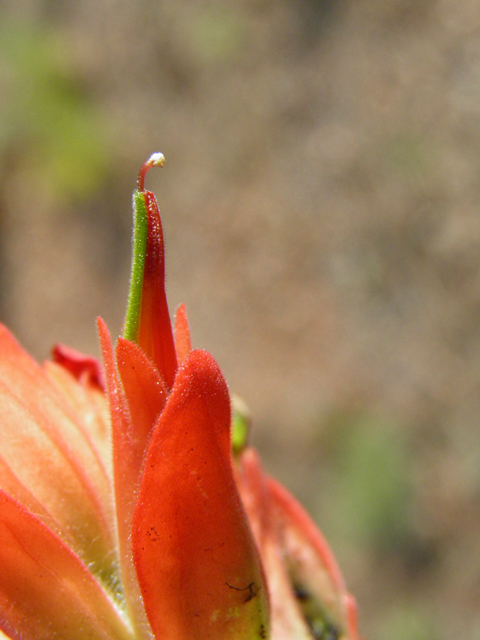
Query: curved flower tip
195, 557
156, 160
147, 320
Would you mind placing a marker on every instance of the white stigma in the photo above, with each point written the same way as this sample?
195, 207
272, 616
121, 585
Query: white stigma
156, 160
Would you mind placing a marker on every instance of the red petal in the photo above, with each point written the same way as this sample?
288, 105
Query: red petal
126, 476
45, 591
155, 335
287, 620
82, 367
294, 552
311, 559
145, 392
90, 405
47, 457
300, 532
195, 557
182, 334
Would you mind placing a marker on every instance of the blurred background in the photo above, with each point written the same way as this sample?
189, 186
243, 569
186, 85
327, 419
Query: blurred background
321, 206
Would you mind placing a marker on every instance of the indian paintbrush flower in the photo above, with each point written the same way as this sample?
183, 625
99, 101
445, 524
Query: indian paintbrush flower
124, 512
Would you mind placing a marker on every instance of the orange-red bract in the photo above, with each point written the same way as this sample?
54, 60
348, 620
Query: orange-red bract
195, 557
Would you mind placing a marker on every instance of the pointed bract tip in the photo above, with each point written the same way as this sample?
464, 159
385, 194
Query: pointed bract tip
155, 160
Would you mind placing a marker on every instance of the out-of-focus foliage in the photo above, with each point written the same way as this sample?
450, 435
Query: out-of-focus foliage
48, 123
407, 622
370, 499
216, 34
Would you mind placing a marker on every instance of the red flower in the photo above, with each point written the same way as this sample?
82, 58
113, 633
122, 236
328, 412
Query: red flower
122, 511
